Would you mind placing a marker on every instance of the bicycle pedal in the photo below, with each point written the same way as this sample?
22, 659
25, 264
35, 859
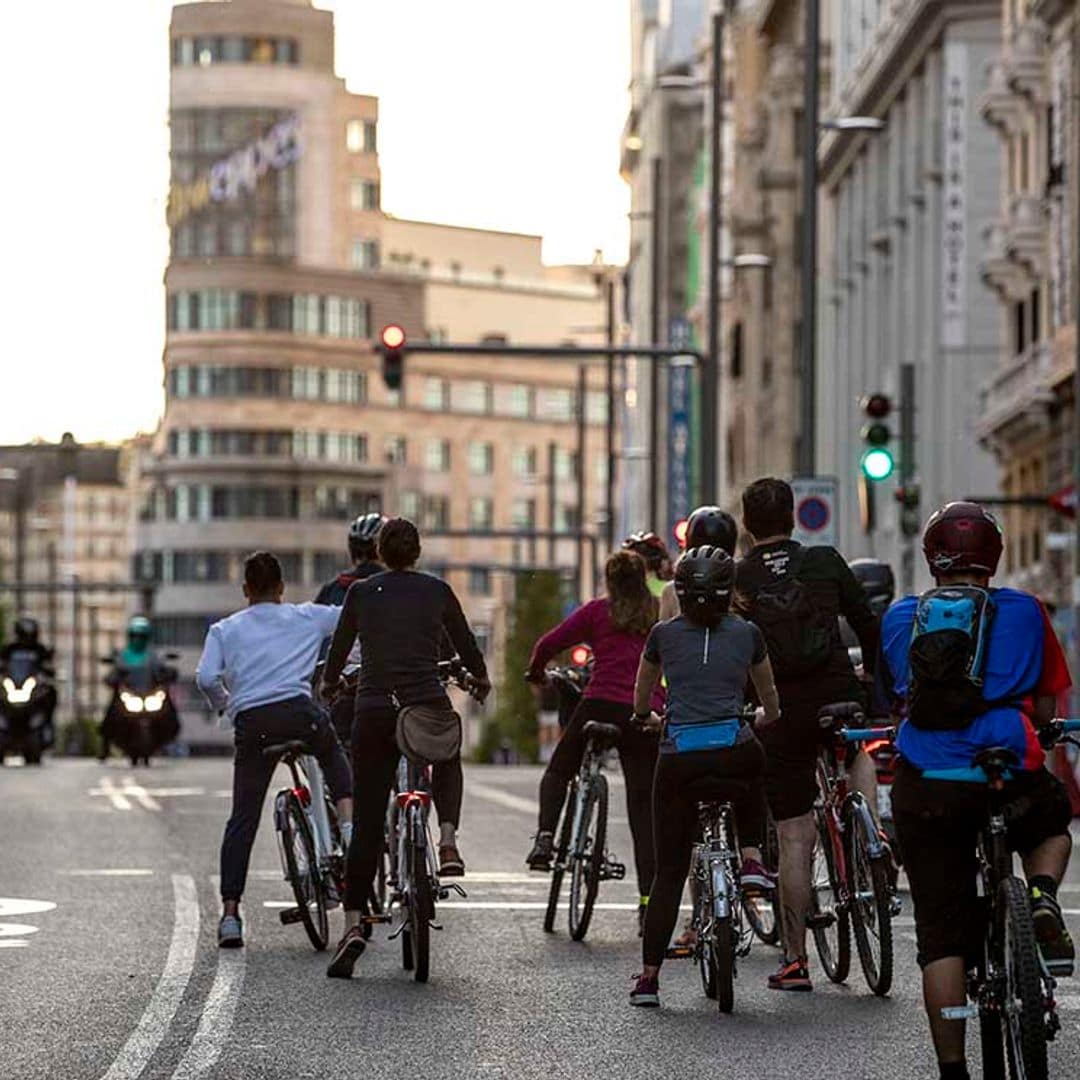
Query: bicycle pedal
1060, 969
612, 871
896, 905
960, 1012
680, 952
290, 916
821, 921
372, 920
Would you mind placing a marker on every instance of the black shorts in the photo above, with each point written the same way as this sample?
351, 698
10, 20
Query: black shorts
937, 824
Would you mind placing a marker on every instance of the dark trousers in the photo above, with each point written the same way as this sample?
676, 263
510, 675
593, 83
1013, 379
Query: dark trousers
682, 781
297, 718
637, 753
375, 756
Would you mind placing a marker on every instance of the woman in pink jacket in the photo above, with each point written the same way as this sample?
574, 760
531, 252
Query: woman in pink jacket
615, 628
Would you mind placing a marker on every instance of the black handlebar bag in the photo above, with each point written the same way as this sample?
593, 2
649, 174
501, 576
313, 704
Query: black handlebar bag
429, 733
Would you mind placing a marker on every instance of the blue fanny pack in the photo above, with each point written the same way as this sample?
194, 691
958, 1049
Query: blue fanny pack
689, 738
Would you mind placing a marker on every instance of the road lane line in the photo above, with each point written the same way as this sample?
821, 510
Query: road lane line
146, 1038
118, 871
110, 790
217, 1017
502, 798
141, 795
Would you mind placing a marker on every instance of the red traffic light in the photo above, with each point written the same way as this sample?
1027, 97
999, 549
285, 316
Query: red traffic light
877, 406
680, 531
580, 655
393, 336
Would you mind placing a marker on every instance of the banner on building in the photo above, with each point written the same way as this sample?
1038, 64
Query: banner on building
954, 192
680, 384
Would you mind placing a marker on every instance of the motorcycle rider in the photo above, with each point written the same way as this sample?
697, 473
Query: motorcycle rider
707, 526
137, 657
362, 540
657, 559
27, 647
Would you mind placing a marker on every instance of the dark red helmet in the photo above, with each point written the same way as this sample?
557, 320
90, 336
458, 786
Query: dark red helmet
962, 536
650, 547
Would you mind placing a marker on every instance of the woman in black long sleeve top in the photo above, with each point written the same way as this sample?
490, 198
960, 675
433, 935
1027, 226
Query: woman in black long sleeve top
402, 618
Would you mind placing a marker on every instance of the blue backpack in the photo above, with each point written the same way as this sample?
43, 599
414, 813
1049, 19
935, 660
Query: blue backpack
949, 642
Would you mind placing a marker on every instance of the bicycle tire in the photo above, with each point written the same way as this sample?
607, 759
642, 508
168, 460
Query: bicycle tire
421, 910
558, 868
870, 878
723, 949
833, 942
588, 861
1025, 1023
990, 1040
307, 885
763, 913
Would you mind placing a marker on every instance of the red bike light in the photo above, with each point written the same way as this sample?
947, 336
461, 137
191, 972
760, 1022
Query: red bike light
303, 795
580, 655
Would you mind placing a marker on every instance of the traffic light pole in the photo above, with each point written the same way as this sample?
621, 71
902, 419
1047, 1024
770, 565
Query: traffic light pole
907, 476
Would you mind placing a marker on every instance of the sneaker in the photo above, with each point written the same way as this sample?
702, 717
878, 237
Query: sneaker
349, 950
451, 864
646, 992
792, 975
1055, 943
755, 878
543, 850
230, 933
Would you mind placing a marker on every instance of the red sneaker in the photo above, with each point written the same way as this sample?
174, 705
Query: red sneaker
792, 975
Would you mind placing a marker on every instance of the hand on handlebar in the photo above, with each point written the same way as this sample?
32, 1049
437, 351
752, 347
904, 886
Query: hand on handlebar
537, 678
480, 689
653, 723
329, 690
761, 718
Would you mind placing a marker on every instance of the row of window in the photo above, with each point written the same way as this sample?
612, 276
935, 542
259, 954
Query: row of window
233, 49
302, 313
298, 383
480, 457
213, 502
556, 403
298, 445
432, 513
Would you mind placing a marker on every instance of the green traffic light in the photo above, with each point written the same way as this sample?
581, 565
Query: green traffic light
877, 463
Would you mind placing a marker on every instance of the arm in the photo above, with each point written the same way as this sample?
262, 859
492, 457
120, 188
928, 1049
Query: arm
571, 631
856, 609
669, 603
762, 675
462, 638
209, 675
648, 675
348, 618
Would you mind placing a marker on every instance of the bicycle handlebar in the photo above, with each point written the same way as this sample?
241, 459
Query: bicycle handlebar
858, 735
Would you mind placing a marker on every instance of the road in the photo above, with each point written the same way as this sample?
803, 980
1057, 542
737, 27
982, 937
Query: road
108, 914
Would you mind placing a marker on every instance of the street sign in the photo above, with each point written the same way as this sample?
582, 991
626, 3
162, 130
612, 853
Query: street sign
815, 510
680, 389
1064, 501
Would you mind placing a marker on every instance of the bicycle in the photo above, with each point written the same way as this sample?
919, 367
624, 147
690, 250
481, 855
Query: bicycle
721, 936
1011, 984
852, 880
763, 910
309, 841
583, 835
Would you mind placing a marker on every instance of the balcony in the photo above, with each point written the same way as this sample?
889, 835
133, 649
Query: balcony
1008, 278
1026, 61
1017, 396
999, 103
1025, 232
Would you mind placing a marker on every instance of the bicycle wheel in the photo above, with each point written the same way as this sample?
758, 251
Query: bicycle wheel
870, 912
588, 858
993, 1051
723, 949
1025, 1021
558, 868
701, 892
302, 870
421, 909
831, 923
763, 912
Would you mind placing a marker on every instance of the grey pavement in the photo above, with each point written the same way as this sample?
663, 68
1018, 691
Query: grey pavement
109, 969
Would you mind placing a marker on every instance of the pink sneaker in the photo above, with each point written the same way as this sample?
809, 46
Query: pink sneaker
755, 878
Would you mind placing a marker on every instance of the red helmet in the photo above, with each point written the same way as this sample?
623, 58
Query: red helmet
650, 547
962, 536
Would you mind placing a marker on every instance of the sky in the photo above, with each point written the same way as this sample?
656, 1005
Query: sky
492, 114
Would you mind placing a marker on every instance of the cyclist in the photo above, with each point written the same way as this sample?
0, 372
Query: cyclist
363, 533
255, 669
657, 559
795, 595
706, 654
400, 618
615, 627
707, 525
939, 801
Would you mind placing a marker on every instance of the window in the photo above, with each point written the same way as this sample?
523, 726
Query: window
436, 394
307, 313
596, 407
364, 195
472, 396
521, 401
479, 581
523, 462
365, 254
565, 461
557, 404
481, 458
481, 513
437, 455
523, 514
335, 503
436, 512
354, 136
188, 51
395, 450
409, 505
566, 518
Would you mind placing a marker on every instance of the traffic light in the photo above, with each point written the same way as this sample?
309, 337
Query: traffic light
680, 530
877, 460
907, 495
393, 356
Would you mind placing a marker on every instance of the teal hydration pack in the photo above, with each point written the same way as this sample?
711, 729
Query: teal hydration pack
949, 641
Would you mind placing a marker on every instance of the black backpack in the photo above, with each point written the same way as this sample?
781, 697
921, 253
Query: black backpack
800, 637
949, 641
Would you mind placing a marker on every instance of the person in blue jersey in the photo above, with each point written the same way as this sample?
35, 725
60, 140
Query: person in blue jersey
971, 668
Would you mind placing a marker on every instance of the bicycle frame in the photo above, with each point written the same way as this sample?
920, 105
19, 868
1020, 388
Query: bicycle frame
715, 865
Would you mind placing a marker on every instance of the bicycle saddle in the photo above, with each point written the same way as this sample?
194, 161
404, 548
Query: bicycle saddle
995, 760
708, 789
845, 713
287, 749
604, 735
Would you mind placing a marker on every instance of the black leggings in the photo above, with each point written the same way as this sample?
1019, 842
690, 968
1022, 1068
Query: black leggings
675, 823
375, 757
637, 753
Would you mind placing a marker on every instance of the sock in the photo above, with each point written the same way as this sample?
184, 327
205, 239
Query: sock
1043, 883
954, 1070
643, 901
447, 833
346, 835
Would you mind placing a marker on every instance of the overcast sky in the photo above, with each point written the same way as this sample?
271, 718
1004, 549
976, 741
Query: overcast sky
493, 114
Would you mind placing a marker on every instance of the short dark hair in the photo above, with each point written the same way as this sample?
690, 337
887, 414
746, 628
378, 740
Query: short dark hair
769, 508
262, 573
399, 543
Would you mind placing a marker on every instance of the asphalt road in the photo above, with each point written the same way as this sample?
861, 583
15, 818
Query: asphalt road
108, 964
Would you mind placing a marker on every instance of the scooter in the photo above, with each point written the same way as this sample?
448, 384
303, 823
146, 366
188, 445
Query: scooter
141, 717
27, 699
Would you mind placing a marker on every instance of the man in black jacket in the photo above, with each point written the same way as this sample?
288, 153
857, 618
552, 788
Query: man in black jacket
812, 669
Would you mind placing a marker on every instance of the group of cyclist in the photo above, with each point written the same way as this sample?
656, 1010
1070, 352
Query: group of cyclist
678, 651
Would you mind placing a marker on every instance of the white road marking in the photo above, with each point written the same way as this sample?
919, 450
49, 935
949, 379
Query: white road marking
1069, 1002
112, 793
217, 1017
141, 796
20, 944
118, 871
10, 906
14, 929
146, 1038
502, 798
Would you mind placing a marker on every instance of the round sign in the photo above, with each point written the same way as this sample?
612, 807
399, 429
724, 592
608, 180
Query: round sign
813, 513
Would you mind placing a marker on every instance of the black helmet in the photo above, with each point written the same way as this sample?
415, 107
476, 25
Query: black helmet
704, 578
26, 630
876, 578
713, 526
363, 533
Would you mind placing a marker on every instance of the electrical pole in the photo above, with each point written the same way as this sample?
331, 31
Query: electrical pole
579, 475
609, 429
655, 273
711, 438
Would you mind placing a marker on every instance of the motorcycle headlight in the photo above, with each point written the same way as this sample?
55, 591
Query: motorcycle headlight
155, 701
19, 695
132, 702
